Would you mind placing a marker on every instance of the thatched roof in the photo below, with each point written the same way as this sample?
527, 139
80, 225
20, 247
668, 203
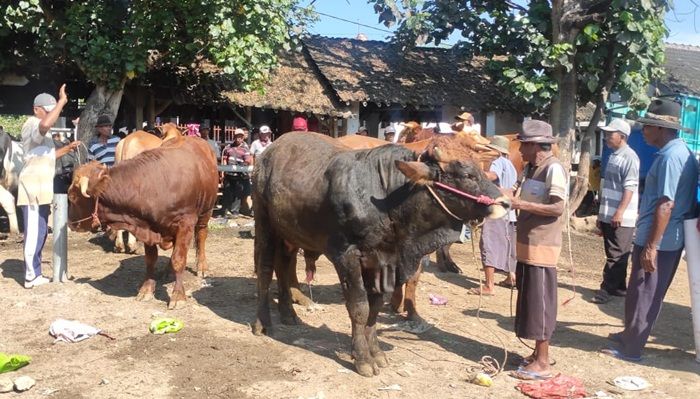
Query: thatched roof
682, 68
381, 72
294, 85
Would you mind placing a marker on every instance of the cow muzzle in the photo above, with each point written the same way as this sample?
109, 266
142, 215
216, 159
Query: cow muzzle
499, 208
384, 280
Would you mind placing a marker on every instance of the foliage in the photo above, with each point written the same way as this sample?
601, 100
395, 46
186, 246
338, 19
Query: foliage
118, 40
12, 124
525, 50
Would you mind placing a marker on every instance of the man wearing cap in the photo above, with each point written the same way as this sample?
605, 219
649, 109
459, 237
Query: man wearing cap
497, 243
259, 145
103, 145
299, 124
236, 184
35, 191
541, 204
668, 199
389, 134
618, 209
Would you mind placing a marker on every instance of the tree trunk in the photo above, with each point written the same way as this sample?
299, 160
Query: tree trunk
102, 101
578, 191
563, 110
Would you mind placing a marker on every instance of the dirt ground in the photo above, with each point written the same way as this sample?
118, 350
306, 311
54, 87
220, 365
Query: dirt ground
217, 356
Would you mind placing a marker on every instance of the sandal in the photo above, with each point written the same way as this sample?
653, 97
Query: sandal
601, 297
478, 291
621, 356
526, 375
506, 284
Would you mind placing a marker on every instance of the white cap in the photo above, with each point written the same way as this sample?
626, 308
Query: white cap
618, 125
389, 129
238, 132
265, 129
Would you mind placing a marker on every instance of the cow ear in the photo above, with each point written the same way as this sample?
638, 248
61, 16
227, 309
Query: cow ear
417, 172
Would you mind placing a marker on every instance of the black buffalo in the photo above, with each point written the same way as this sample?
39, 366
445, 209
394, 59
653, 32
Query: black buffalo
367, 211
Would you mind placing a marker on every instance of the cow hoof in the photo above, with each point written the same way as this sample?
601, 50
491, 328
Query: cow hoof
366, 369
299, 298
144, 296
172, 305
452, 267
380, 359
118, 250
201, 274
260, 329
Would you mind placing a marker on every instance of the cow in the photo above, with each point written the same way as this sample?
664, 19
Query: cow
368, 211
404, 300
162, 196
11, 162
127, 148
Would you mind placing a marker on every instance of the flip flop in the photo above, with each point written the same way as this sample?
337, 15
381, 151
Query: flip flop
520, 361
478, 291
619, 355
504, 284
526, 375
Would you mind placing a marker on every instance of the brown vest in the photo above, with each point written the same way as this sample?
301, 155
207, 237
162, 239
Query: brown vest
538, 237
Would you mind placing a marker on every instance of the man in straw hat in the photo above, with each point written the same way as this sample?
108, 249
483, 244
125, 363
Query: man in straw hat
668, 199
618, 209
538, 243
497, 242
35, 187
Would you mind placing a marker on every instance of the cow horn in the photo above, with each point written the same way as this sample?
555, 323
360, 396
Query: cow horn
438, 154
84, 186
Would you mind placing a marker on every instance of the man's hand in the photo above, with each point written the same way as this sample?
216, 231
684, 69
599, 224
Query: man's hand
74, 144
648, 258
698, 224
62, 96
515, 203
616, 220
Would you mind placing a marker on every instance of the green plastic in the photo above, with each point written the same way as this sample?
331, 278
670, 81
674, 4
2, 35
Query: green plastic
163, 325
13, 362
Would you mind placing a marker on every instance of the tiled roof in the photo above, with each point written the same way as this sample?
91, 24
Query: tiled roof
381, 72
682, 69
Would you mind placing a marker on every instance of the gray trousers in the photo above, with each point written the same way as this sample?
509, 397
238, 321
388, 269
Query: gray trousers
645, 294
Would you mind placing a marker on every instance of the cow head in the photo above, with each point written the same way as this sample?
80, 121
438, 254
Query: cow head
89, 182
461, 174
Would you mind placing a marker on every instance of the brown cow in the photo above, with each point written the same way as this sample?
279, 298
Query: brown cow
156, 198
127, 148
367, 211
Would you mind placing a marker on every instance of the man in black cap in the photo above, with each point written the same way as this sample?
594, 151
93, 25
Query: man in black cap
668, 199
103, 146
541, 204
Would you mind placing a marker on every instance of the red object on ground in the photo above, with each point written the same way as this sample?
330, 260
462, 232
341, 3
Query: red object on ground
558, 387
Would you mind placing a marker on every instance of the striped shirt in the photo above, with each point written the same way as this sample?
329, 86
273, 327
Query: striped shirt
621, 174
103, 152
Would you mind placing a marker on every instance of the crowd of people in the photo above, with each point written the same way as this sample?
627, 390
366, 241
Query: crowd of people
524, 245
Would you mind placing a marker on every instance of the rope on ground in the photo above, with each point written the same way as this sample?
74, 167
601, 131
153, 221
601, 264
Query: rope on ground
488, 364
